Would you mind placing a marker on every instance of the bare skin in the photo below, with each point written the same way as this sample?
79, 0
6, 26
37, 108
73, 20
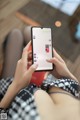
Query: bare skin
21, 79
58, 106
53, 106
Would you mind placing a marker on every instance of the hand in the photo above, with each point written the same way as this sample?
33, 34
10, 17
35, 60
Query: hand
60, 68
23, 74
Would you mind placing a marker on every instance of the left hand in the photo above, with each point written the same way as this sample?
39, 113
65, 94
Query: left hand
23, 74
60, 69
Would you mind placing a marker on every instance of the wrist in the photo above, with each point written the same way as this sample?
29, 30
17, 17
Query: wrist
14, 87
9, 96
71, 76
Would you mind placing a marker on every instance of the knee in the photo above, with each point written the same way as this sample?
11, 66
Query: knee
27, 29
16, 35
16, 32
27, 33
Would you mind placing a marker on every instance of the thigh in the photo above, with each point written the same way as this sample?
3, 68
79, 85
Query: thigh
13, 51
45, 105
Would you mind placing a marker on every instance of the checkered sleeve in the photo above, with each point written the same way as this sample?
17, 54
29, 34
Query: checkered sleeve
4, 84
66, 84
23, 106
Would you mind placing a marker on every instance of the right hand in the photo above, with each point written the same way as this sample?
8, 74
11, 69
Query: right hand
23, 74
60, 68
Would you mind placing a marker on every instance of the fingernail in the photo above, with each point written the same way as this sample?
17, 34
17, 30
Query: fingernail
35, 65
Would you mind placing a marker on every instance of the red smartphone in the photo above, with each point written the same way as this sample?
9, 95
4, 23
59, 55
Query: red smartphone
42, 47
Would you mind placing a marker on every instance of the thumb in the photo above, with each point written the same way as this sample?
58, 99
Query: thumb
56, 62
32, 68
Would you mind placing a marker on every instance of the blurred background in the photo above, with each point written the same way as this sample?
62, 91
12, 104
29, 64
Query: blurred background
63, 16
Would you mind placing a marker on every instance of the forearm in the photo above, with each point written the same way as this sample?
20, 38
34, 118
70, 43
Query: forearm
71, 76
9, 96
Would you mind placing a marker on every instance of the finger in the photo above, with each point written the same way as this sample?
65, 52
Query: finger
25, 55
55, 61
25, 58
32, 68
27, 46
30, 51
56, 55
30, 55
30, 63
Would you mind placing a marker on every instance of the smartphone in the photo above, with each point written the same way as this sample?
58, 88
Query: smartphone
42, 47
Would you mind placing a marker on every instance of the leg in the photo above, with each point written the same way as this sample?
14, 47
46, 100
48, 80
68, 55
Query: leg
45, 105
13, 50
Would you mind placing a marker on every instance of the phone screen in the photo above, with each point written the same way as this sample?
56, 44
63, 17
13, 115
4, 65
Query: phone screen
42, 47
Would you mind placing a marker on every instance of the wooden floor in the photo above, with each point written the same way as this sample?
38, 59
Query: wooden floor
8, 21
